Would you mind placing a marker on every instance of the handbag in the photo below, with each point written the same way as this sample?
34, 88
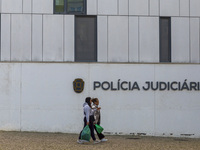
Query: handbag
99, 128
86, 135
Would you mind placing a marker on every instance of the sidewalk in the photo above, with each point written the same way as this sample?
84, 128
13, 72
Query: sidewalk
60, 141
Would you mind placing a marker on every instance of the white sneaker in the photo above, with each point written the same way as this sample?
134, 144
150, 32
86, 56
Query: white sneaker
96, 141
82, 141
104, 140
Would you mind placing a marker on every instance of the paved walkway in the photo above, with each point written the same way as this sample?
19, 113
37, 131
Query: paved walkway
60, 141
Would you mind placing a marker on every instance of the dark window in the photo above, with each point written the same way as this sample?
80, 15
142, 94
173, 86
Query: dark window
59, 6
70, 6
165, 39
85, 39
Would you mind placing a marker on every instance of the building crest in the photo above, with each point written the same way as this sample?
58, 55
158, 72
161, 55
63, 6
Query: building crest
78, 85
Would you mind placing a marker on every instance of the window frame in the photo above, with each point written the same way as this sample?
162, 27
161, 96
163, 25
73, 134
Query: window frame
67, 12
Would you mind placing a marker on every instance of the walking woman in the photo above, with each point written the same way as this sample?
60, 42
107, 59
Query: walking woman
97, 117
88, 120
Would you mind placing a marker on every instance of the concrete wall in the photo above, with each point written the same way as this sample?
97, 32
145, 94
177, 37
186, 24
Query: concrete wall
40, 97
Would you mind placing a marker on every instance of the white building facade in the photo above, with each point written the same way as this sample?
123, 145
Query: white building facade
141, 58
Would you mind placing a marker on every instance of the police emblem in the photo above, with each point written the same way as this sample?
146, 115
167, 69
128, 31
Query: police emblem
78, 85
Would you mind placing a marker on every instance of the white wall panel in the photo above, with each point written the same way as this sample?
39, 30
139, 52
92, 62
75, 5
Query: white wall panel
10, 96
194, 8
91, 7
69, 38
154, 7
57, 107
123, 7
20, 37
40, 97
42, 6
53, 37
27, 6
106, 7
133, 39
148, 39
184, 7
11, 6
117, 39
180, 40
5, 37
194, 40
37, 37
181, 106
102, 39
138, 7
169, 7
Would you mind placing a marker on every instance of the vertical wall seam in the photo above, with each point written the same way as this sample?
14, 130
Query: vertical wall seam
42, 38
107, 39
22, 7
179, 8
138, 39
118, 7
199, 40
190, 49
1, 6
0, 38
63, 38
97, 38
31, 37
128, 8
128, 34
128, 40
10, 37
97, 7
190, 46
31, 31
149, 7
189, 8
74, 38
31, 6
154, 103
20, 109
0, 31
159, 8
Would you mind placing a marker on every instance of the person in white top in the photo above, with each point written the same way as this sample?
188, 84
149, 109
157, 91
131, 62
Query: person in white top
97, 117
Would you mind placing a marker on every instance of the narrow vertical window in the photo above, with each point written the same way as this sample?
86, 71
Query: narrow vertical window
165, 39
85, 39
